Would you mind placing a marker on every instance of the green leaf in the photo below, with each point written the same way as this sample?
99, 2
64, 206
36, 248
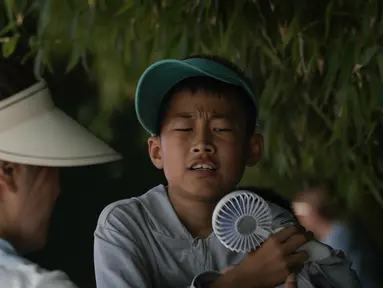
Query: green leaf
328, 19
376, 89
9, 27
202, 7
44, 17
75, 56
9, 5
348, 63
84, 62
292, 30
333, 63
21, 5
228, 34
379, 59
356, 110
128, 5
374, 191
9, 46
368, 54
276, 61
183, 44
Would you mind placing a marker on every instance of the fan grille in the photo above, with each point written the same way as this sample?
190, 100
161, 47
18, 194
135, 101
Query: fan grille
242, 221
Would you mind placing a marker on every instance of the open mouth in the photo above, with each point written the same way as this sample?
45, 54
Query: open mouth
203, 167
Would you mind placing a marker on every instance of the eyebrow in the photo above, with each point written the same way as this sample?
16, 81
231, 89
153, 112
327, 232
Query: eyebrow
183, 115
215, 115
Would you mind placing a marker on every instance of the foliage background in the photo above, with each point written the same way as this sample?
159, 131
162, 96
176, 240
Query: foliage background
317, 67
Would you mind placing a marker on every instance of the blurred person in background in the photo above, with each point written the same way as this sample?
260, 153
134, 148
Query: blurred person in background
322, 214
35, 139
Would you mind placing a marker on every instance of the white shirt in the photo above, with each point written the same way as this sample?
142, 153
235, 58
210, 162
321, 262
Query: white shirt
18, 272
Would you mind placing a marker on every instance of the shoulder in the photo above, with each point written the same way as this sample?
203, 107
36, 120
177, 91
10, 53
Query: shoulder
270, 196
131, 209
128, 207
281, 216
27, 276
280, 207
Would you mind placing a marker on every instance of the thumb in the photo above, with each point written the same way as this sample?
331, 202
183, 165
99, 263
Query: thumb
291, 281
227, 269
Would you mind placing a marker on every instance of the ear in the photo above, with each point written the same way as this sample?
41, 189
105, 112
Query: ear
7, 176
255, 149
154, 145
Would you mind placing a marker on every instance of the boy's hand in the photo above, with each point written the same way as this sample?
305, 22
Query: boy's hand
275, 260
227, 269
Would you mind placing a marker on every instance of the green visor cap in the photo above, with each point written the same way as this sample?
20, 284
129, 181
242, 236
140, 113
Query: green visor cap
163, 75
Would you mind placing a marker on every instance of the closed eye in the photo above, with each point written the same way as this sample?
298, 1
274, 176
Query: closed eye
222, 129
183, 129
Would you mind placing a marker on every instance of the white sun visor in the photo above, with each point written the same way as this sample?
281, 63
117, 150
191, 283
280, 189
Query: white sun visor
35, 132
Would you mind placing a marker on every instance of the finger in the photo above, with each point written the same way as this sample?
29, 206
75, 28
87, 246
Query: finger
291, 281
296, 269
286, 233
295, 242
227, 269
296, 259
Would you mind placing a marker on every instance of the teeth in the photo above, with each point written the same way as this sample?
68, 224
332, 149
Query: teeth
203, 166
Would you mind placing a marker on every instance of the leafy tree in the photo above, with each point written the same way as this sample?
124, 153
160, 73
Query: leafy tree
317, 67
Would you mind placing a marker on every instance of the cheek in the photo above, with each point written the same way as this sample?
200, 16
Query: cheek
232, 155
174, 154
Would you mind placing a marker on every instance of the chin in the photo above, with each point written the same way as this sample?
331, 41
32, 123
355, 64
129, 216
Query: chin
36, 242
30, 246
207, 193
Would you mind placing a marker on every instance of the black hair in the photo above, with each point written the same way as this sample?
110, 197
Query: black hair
14, 77
209, 84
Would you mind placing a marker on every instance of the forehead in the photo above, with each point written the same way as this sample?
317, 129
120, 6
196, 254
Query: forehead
203, 101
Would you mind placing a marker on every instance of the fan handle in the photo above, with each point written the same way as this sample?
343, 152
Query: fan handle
314, 249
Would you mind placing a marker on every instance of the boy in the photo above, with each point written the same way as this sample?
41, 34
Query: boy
35, 139
201, 114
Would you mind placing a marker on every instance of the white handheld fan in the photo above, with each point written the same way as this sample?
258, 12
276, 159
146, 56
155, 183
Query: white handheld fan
242, 221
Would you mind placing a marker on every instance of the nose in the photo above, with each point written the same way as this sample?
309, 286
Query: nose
203, 143
202, 147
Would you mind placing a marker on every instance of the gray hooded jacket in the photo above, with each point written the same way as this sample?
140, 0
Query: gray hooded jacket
140, 242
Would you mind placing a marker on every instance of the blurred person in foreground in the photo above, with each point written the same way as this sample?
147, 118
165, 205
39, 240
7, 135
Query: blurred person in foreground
317, 211
35, 139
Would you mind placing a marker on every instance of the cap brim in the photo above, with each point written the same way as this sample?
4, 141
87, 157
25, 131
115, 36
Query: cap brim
161, 77
35, 132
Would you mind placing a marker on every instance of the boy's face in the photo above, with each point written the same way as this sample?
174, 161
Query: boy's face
204, 147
